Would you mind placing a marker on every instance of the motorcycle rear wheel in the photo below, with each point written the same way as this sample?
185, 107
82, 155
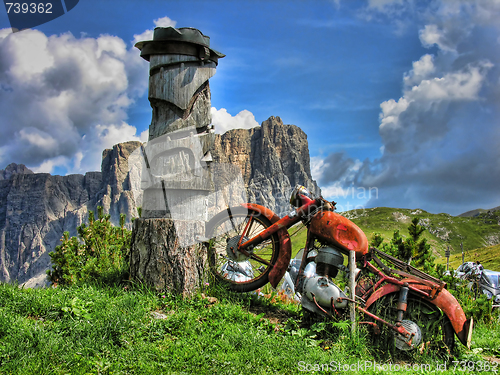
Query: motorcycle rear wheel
434, 325
243, 274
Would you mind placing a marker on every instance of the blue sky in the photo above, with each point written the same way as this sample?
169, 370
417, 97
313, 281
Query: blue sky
399, 98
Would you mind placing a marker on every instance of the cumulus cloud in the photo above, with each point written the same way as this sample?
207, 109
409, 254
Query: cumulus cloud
63, 99
440, 138
223, 121
148, 34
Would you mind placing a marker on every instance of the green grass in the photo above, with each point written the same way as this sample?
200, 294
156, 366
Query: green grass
134, 330
102, 330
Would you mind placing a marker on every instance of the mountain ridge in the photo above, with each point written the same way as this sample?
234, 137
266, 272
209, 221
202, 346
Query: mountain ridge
36, 208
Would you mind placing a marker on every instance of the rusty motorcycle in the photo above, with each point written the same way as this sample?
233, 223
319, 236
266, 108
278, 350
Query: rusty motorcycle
250, 245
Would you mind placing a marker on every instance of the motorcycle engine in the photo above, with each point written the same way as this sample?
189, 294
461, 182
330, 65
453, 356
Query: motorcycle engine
328, 262
319, 288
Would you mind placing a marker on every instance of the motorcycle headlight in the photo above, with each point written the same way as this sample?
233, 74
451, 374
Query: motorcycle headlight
299, 196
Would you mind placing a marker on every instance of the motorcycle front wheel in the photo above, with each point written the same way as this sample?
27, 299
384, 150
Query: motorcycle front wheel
242, 273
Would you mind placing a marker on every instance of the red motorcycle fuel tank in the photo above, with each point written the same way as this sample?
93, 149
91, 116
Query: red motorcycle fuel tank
340, 232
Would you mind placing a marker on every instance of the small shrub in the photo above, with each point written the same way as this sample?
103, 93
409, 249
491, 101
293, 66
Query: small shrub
99, 253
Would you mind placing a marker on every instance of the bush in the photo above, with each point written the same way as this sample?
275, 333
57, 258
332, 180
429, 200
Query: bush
99, 253
474, 303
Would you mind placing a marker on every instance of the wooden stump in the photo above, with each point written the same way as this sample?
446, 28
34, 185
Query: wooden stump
157, 259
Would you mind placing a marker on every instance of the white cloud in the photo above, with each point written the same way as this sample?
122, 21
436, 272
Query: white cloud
63, 99
459, 85
317, 167
48, 165
422, 69
148, 34
440, 138
144, 136
223, 121
381, 4
431, 35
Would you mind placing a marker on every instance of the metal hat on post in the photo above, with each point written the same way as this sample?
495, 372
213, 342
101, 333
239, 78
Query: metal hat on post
182, 41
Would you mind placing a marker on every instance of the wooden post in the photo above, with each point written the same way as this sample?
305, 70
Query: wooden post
352, 288
463, 255
447, 253
180, 134
175, 178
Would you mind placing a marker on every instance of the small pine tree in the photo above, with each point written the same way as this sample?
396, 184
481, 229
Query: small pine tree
98, 254
414, 250
376, 240
420, 250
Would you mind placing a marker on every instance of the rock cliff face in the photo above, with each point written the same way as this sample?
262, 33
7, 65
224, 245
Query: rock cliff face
36, 208
273, 159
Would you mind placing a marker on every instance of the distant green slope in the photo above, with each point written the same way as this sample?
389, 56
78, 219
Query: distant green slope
443, 230
488, 256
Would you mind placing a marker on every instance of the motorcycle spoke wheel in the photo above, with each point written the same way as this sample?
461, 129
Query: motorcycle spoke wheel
436, 329
244, 274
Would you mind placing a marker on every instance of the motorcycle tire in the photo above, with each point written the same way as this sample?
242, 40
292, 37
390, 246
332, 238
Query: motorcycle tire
435, 326
245, 274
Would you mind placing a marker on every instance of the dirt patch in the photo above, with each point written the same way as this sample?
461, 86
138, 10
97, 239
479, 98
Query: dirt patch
492, 359
274, 316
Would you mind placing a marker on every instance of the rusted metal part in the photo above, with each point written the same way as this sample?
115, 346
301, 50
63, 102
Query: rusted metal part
332, 304
245, 230
444, 300
381, 292
339, 231
319, 307
398, 328
451, 307
347, 299
285, 245
283, 260
376, 329
435, 287
283, 223
383, 278
409, 270
309, 240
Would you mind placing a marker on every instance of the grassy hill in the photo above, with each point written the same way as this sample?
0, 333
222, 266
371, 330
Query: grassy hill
488, 256
443, 230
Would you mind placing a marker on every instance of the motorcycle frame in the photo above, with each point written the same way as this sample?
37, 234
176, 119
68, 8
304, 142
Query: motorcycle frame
385, 284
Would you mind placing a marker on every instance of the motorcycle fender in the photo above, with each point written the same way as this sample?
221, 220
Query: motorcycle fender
285, 249
444, 300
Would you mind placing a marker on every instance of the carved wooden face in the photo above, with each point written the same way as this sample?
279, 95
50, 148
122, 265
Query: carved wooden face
176, 78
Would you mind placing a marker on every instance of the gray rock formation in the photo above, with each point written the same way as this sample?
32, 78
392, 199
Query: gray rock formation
13, 169
36, 208
273, 159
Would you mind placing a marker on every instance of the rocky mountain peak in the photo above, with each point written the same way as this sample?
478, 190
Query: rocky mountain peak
273, 159
13, 169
